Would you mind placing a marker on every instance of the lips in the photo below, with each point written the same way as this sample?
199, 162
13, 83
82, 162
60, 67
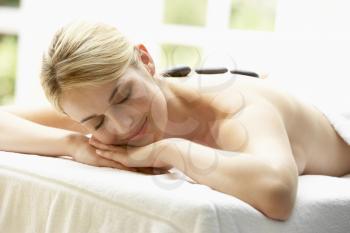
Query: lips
138, 131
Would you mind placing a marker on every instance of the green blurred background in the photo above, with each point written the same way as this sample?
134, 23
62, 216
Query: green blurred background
245, 15
11, 3
8, 60
257, 15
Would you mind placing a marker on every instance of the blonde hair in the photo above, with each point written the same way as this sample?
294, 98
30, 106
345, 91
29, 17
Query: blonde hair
84, 54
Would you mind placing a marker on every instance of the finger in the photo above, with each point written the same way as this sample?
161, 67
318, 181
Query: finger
96, 143
111, 155
94, 139
102, 162
101, 145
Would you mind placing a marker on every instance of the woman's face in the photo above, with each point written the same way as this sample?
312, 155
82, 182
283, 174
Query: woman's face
115, 111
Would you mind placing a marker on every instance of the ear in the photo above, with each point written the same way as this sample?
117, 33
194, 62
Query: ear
146, 59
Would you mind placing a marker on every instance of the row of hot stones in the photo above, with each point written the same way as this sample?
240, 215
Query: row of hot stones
183, 71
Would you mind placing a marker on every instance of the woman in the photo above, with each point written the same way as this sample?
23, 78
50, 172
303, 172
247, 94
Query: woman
248, 140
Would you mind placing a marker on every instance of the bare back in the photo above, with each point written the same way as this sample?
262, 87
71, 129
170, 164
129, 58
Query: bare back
316, 146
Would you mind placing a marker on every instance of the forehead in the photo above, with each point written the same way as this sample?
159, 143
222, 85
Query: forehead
81, 102
85, 101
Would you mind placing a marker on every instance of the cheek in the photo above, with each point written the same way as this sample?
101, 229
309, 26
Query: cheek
159, 112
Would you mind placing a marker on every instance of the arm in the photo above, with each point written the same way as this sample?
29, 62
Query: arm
241, 175
20, 135
45, 116
264, 174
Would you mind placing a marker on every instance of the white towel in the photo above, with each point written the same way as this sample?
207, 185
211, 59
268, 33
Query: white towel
340, 120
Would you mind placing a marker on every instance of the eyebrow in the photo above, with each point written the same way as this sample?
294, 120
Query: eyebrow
115, 90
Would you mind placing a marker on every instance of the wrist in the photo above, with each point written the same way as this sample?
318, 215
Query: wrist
171, 152
72, 142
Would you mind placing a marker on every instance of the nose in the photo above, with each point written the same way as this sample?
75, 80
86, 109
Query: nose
119, 125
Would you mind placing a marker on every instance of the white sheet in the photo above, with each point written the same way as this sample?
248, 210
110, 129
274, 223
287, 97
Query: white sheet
339, 118
41, 194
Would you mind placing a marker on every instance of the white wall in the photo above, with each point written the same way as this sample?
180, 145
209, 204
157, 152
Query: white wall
308, 53
41, 18
142, 21
312, 52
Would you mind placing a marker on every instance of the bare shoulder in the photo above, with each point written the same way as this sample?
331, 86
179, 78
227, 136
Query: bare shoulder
253, 101
255, 122
268, 118
251, 91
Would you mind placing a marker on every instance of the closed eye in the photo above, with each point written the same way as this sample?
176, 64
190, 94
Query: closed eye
125, 98
100, 124
103, 119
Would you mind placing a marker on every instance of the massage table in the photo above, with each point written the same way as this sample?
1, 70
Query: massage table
47, 195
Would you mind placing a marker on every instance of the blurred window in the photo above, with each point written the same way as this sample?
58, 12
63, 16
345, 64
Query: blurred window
8, 62
13, 3
245, 15
253, 14
185, 12
173, 54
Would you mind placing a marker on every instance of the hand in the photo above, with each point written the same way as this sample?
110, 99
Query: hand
145, 156
81, 151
